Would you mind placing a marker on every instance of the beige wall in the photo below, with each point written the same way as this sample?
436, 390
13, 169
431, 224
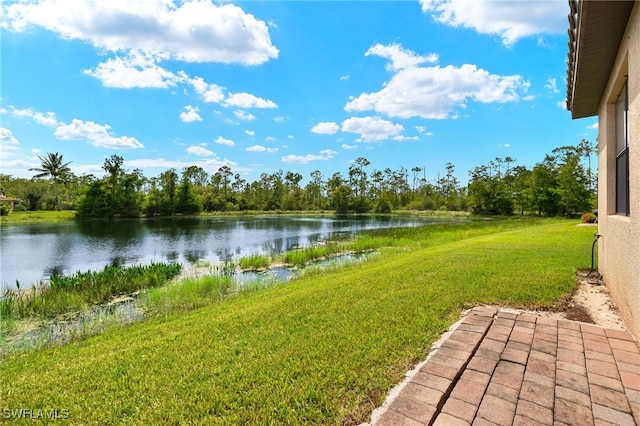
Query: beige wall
619, 244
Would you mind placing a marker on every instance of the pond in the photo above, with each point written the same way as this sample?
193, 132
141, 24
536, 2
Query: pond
31, 253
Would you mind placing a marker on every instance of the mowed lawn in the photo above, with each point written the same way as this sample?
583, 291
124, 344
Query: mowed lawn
323, 349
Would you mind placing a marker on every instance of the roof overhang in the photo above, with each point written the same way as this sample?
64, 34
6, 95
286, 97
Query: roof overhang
596, 29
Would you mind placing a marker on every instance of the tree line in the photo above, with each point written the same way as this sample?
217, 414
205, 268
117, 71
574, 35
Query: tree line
561, 184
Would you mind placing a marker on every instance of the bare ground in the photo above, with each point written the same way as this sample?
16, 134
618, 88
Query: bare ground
590, 303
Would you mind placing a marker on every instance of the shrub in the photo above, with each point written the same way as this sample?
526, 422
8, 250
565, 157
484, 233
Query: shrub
589, 218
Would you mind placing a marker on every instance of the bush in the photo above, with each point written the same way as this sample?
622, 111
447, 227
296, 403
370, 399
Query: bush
4, 209
589, 218
20, 208
415, 205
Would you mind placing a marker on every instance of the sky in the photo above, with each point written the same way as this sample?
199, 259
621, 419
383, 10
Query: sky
262, 86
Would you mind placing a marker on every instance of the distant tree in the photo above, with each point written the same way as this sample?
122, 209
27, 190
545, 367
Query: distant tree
315, 190
586, 149
544, 193
225, 175
573, 183
341, 199
113, 167
187, 201
168, 183
53, 167
488, 193
520, 184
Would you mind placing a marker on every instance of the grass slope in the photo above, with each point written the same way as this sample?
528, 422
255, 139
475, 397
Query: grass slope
323, 349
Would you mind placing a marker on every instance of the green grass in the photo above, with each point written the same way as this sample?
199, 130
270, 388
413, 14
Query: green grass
322, 349
190, 293
302, 256
76, 292
38, 216
254, 262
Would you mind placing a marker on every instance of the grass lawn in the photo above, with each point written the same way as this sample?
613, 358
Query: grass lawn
38, 216
322, 349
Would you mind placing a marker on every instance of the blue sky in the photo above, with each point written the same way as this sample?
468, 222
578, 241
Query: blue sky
296, 85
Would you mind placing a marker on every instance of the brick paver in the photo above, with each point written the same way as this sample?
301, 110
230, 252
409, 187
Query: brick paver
503, 368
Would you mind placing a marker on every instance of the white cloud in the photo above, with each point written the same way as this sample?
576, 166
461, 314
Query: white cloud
260, 148
423, 131
345, 77
270, 139
594, 126
552, 86
97, 134
371, 128
280, 119
250, 132
510, 20
326, 128
324, 155
345, 146
191, 31
135, 70
562, 104
46, 119
200, 151
401, 138
435, 92
400, 58
209, 92
247, 100
290, 137
243, 115
8, 143
223, 141
190, 114
209, 164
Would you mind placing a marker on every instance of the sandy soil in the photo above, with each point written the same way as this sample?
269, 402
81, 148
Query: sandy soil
592, 296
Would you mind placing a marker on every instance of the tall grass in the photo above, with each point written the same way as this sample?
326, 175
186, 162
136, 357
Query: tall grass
301, 257
78, 291
190, 293
254, 262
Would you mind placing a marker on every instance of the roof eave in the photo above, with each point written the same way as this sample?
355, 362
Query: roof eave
595, 32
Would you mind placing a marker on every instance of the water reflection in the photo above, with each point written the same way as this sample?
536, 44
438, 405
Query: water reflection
31, 253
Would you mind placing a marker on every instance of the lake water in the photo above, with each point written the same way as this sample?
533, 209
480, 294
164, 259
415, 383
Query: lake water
30, 253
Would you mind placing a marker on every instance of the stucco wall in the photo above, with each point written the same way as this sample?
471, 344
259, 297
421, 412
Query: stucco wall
619, 245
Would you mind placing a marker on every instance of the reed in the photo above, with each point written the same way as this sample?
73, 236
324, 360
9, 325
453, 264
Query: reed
76, 292
254, 262
301, 257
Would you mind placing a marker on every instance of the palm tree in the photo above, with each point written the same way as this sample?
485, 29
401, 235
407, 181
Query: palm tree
53, 168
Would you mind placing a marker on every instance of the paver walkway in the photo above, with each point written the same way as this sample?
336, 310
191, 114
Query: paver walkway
504, 368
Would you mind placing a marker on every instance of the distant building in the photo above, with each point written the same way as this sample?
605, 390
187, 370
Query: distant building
11, 201
604, 80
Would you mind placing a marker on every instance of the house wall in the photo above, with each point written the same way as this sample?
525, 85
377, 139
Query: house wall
619, 244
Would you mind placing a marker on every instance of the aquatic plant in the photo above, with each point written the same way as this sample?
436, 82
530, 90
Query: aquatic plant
71, 293
254, 262
304, 255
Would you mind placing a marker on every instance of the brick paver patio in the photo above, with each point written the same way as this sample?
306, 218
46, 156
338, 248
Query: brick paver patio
503, 368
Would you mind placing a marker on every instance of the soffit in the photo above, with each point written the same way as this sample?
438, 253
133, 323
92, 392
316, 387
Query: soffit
600, 27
